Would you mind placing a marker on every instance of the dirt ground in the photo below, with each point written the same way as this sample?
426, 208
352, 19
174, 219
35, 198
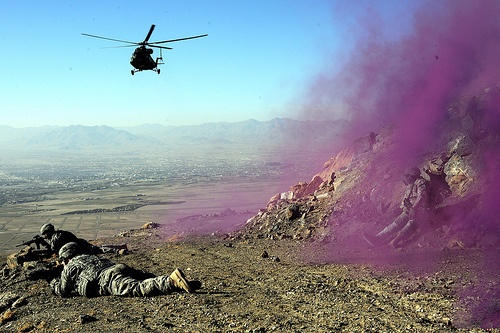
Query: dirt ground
245, 290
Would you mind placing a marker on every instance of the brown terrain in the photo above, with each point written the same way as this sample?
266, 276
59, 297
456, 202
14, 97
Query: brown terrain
301, 264
245, 290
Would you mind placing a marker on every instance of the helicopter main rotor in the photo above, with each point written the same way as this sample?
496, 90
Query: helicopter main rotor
146, 42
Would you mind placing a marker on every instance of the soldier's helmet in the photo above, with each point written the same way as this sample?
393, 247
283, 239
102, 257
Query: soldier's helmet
69, 250
47, 228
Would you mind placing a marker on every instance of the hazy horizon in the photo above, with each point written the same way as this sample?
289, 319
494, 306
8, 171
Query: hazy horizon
156, 124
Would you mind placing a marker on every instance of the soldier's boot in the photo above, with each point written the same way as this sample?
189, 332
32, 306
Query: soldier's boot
380, 239
373, 240
178, 280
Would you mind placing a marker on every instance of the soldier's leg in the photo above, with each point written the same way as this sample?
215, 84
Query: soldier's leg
116, 281
386, 235
388, 232
123, 285
154, 286
405, 235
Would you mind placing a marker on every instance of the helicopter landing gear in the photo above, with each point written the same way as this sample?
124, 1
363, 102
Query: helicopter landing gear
158, 71
132, 71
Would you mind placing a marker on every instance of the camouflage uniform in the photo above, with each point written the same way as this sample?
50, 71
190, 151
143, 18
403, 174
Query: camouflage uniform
61, 237
415, 207
89, 275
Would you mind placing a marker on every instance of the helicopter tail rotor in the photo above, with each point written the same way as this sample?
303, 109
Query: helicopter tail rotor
159, 60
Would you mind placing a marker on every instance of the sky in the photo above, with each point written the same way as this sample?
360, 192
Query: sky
258, 61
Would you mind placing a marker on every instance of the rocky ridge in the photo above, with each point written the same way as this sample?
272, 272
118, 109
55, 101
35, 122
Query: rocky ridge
361, 188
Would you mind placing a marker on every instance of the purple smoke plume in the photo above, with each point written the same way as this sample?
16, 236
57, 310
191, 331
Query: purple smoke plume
452, 51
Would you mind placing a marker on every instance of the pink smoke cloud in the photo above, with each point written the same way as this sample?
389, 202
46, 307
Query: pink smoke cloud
450, 51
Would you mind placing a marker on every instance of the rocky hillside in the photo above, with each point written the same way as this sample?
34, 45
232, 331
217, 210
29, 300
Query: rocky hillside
361, 188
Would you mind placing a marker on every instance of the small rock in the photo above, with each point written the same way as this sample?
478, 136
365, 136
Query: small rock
7, 316
84, 319
6, 299
292, 212
446, 321
27, 327
20, 302
265, 254
150, 225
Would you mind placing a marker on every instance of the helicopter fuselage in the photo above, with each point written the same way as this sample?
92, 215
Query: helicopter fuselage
142, 60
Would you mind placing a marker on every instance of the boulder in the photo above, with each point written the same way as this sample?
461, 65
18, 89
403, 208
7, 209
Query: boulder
303, 189
365, 143
18, 259
292, 212
459, 174
462, 145
150, 225
339, 162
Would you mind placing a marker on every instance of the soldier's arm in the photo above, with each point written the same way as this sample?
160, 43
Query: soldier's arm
64, 286
406, 203
42, 242
56, 242
421, 194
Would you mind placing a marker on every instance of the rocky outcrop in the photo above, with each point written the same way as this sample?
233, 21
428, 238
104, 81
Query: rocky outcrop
361, 188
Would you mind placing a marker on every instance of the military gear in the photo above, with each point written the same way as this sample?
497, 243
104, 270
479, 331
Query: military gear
47, 228
45, 271
117, 249
37, 240
59, 238
90, 268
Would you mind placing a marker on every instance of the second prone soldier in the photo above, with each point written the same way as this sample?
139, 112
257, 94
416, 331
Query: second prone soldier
90, 275
56, 239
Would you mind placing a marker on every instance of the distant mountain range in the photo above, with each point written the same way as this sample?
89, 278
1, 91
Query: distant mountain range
144, 137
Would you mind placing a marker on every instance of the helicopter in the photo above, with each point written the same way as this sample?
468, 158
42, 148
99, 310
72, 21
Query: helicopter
142, 57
